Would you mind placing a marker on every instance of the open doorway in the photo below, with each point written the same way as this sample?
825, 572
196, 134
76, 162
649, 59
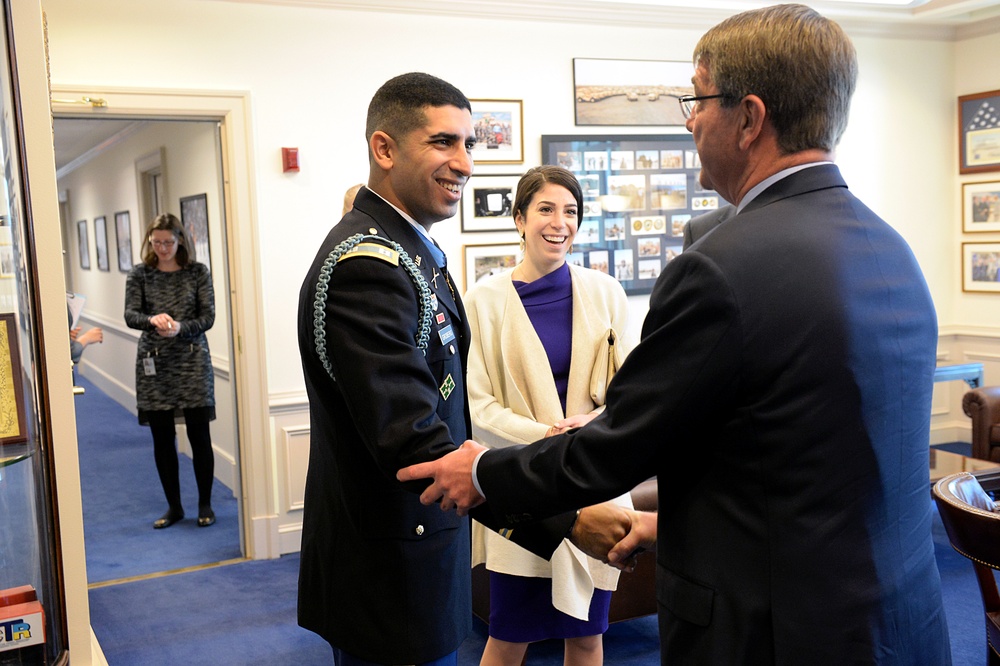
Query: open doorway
113, 176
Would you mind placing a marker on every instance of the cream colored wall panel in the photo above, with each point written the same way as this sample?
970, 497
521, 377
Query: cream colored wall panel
296, 445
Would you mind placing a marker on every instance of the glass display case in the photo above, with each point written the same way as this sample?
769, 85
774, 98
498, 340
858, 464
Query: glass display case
32, 602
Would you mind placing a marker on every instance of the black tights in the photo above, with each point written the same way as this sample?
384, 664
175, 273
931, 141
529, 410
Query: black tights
161, 423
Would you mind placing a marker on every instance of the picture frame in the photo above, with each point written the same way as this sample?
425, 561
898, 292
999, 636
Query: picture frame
482, 260
123, 239
981, 207
101, 243
630, 92
13, 428
979, 132
194, 217
487, 203
7, 267
981, 267
639, 192
83, 242
499, 125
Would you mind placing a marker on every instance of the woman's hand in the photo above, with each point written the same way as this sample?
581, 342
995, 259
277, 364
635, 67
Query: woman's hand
165, 325
577, 421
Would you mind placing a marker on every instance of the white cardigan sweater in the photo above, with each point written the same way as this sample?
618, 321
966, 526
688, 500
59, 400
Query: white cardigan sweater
513, 400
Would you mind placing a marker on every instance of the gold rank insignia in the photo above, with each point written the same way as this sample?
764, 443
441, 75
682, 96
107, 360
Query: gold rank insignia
447, 386
506, 533
373, 250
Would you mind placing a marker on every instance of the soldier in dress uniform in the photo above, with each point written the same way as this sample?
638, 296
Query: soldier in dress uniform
383, 340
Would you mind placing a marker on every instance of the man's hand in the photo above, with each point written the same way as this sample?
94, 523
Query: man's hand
641, 536
452, 475
600, 527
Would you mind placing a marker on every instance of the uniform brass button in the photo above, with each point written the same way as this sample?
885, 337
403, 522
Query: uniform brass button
372, 230
419, 530
451, 348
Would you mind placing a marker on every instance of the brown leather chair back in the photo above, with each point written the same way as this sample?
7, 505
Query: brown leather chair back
982, 405
973, 529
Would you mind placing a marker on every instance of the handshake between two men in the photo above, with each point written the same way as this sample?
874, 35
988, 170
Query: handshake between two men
606, 531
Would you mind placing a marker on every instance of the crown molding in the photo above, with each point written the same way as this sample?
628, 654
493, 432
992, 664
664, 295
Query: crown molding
954, 23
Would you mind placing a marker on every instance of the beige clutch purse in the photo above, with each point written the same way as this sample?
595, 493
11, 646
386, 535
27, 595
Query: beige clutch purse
608, 360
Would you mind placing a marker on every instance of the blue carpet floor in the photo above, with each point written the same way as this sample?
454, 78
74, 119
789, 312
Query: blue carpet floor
244, 613
122, 497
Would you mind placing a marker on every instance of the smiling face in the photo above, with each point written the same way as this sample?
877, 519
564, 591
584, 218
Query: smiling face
548, 225
429, 166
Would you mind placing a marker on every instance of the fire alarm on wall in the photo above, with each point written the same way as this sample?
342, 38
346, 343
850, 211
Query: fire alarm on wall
289, 159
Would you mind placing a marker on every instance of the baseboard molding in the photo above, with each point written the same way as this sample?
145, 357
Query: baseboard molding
951, 432
114, 389
290, 538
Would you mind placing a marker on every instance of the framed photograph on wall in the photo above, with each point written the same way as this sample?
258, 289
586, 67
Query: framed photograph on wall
630, 92
101, 242
981, 267
487, 203
499, 131
979, 132
487, 259
123, 239
639, 192
194, 216
13, 429
6, 260
83, 242
981, 206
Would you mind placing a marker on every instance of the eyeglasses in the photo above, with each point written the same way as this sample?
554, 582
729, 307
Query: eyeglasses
167, 244
688, 102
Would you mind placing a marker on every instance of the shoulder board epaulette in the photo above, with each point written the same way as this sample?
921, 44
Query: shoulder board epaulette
360, 245
373, 250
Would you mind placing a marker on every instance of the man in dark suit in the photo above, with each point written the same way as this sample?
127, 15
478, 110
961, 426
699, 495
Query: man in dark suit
383, 340
781, 390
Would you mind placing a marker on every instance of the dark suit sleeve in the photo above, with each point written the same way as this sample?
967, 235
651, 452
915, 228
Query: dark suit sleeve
540, 537
682, 370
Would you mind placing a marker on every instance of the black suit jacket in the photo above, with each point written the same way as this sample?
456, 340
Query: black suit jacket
781, 393
698, 226
383, 577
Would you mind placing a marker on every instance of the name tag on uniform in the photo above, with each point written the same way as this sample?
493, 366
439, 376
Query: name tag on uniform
148, 366
447, 334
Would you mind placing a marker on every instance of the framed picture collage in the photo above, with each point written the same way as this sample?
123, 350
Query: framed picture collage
638, 191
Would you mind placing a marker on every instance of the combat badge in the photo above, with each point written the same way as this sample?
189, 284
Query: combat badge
447, 386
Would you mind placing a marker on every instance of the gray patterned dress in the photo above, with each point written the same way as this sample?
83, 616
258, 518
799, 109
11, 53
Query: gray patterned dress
183, 376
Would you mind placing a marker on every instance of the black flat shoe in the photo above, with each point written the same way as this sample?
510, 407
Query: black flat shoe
206, 517
168, 519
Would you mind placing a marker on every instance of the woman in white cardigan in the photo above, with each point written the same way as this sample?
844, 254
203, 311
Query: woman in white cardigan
546, 337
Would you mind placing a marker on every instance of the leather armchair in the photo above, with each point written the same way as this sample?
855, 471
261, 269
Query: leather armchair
982, 405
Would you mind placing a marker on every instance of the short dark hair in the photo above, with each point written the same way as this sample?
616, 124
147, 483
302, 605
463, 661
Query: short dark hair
536, 178
801, 64
168, 222
397, 107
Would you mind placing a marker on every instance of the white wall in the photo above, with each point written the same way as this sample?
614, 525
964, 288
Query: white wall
975, 72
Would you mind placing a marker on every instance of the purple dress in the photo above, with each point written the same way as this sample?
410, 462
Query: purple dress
521, 609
